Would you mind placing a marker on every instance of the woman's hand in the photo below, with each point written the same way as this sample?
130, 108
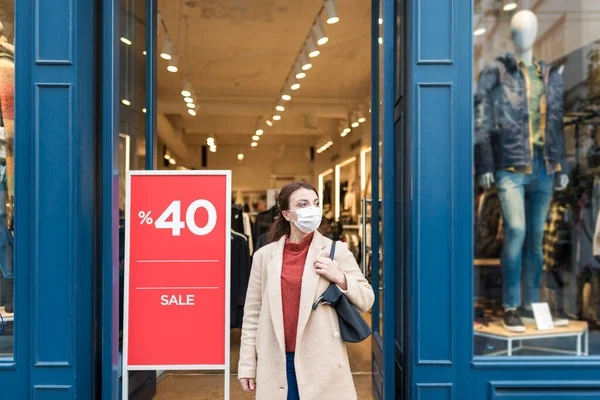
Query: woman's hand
329, 269
248, 384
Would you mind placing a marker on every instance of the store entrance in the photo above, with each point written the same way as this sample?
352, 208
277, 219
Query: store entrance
275, 92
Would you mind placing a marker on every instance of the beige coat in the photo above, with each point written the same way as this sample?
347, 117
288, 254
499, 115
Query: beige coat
321, 361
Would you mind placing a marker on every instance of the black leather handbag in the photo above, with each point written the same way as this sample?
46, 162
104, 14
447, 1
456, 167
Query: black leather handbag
353, 328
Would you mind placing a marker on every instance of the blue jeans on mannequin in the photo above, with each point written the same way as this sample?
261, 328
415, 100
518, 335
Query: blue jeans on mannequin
524, 200
291, 378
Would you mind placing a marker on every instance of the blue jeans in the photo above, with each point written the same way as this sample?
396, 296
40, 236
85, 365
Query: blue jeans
291, 378
524, 199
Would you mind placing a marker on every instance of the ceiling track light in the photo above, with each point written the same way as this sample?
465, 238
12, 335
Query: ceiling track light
509, 5
190, 105
276, 117
126, 41
173, 64
188, 99
240, 156
330, 9
293, 83
254, 144
279, 106
259, 132
361, 115
167, 48
304, 61
479, 27
298, 71
187, 89
318, 32
256, 138
192, 112
269, 122
311, 47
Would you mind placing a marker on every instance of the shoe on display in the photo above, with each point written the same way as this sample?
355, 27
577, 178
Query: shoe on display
559, 318
512, 322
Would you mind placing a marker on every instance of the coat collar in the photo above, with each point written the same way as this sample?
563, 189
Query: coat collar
310, 284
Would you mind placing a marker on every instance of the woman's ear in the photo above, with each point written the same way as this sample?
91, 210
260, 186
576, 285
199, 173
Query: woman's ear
285, 215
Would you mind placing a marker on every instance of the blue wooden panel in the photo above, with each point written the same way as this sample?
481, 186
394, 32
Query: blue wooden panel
54, 36
434, 391
435, 31
435, 235
52, 392
55, 242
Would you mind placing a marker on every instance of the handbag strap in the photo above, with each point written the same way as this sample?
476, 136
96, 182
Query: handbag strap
332, 252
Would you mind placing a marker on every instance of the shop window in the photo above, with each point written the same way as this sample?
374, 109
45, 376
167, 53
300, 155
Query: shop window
537, 178
7, 175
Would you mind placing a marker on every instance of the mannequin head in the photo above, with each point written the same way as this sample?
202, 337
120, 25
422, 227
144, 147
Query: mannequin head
524, 26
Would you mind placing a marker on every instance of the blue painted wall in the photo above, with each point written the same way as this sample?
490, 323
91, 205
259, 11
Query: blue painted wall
55, 201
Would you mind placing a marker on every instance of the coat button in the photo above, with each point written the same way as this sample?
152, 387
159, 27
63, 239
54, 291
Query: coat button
336, 335
341, 365
282, 387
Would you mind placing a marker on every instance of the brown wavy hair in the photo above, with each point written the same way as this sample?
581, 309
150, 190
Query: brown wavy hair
281, 227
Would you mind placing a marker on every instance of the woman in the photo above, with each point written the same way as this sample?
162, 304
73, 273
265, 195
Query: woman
288, 350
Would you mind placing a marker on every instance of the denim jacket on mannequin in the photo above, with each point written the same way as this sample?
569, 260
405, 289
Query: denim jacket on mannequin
503, 131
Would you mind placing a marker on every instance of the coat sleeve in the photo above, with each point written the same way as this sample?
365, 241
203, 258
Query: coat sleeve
247, 363
359, 292
485, 120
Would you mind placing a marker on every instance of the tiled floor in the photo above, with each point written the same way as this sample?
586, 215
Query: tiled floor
185, 385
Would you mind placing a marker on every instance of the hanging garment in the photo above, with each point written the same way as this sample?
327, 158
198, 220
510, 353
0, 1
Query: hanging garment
584, 238
263, 223
248, 231
240, 275
558, 237
237, 219
489, 228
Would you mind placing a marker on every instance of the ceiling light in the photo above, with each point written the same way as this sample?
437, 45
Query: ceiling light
380, 21
187, 89
167, 49
311, 47
192, 112
276, 117
354, 120
300, 74
279, 106
319, 33
509, 5
125, 40
188, 99
173, 64
304, 61
294, 85
343, 133
190, 105
144, 110
256, 138
479, 31
286, 97
361, 116
167, 157
269, 122
240, 156
380, 40
254, 144
126, 102
259, 132
172, 161
332, 17
144, 52
210, 141
347, 130
213, 149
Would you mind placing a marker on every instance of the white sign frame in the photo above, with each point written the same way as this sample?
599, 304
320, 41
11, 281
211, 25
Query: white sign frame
226, 367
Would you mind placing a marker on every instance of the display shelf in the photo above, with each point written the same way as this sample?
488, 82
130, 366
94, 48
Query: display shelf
576, 329
8, 317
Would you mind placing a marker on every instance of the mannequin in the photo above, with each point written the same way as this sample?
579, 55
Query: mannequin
7, 95
519, 144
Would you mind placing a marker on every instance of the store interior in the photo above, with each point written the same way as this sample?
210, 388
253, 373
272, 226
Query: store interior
275, 91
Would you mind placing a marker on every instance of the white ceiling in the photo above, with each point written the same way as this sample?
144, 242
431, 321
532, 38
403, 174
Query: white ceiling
241, 52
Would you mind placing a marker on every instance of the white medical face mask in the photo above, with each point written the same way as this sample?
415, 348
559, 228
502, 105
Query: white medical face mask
309, 218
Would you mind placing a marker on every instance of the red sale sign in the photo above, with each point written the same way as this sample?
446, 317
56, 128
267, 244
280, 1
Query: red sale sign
177, 270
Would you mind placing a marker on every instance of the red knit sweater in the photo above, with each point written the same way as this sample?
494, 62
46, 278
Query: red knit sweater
294, 258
